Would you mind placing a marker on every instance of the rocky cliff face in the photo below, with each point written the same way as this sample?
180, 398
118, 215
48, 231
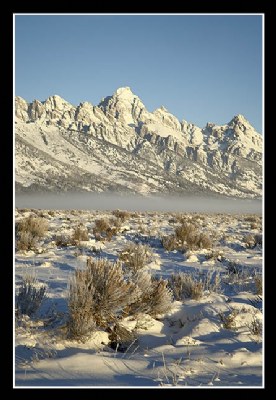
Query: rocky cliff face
119, 145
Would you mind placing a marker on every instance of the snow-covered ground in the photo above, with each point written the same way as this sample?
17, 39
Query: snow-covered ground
191, 345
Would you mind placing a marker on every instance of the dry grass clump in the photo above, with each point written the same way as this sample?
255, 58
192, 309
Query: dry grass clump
101, 225
121, 215
76, 213
169, 243
256, 327
190, 238
252, 218
135, 256
80, 234
186, 237
252, 241
184, 286
255, 221
229, 319
28, 231
35, 225
51, 213
26, 241
214, 255
155, 297
181, 218
258, 284
30, 296
105, 229
63, 240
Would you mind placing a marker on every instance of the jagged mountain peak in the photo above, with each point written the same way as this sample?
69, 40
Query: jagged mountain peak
125, 96
21, 108
55, 97
162, 109
123, 105
19, 99
125, 93
132, 149
242, 129
85, 104
240, 120
56, 102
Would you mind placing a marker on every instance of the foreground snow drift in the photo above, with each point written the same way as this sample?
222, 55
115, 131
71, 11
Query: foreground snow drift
215, 340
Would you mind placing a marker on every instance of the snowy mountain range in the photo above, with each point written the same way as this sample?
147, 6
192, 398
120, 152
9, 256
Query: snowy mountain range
120, 146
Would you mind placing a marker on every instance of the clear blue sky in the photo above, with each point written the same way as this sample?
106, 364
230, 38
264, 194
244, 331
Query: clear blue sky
201, 68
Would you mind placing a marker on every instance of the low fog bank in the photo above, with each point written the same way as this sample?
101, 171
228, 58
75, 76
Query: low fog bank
93, 201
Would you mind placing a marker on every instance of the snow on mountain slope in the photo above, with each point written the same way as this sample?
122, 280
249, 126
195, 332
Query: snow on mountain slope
119, 145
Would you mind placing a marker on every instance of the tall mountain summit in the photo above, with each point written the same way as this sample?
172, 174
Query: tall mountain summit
120, 146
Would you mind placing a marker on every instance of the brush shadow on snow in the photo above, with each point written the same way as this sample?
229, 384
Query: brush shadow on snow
123, 380
173, 266
134, 380
30, 263
64, 266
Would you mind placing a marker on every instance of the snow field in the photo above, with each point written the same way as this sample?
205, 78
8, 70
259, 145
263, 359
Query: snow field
209, 341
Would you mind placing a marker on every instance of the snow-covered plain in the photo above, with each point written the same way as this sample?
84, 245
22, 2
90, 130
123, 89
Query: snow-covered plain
189, 346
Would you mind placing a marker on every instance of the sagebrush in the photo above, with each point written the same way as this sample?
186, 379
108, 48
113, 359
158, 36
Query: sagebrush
121, 215
154, 295
135, 256
228, 319
186, 237
97, 296
256, 327
30, 296
185, 286
28, 231
101, 295
258, 284
80, 234
105, 229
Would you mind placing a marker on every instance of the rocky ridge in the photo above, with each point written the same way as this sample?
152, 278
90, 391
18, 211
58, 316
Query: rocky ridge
120, 146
